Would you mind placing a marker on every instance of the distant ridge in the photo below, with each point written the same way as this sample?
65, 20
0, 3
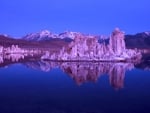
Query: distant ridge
139, 40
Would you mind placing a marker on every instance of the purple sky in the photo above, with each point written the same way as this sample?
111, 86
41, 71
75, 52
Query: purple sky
19, 17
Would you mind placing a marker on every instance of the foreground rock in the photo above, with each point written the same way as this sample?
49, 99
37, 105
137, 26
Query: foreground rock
87, 48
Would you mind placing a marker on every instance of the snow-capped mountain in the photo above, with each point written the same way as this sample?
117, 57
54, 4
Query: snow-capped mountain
68, 34
139, 40
47, 35
140, 35
147, 33
40, 36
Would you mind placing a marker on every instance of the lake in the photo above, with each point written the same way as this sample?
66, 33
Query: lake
34, 86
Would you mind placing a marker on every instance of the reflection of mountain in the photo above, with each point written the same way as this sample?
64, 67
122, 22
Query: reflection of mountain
43, 66
85, 72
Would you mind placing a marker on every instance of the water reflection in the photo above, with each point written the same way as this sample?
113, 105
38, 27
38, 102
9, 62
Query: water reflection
6, 59
84, 72
80, 72
45, 66
1, 59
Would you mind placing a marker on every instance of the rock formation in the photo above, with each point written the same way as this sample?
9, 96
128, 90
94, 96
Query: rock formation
1, 49
15, 49
117, 43
87, 48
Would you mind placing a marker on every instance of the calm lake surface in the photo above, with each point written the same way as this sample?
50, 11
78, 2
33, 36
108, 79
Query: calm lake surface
73, 87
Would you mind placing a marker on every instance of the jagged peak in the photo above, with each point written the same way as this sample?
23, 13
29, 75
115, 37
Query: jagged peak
45, 32
147, 33
42, 32
69, 33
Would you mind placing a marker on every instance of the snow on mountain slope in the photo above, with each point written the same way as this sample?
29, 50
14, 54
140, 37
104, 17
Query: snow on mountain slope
40, 36
47, 35
139, 40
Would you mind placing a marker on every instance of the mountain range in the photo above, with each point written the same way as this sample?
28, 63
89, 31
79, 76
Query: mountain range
46, 39
46, 35
139, 40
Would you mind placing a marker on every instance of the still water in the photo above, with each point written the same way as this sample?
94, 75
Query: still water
71, 87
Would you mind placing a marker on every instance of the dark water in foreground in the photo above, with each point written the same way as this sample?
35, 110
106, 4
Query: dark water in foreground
52, 87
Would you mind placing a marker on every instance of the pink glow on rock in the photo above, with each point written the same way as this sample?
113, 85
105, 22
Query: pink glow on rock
87, 48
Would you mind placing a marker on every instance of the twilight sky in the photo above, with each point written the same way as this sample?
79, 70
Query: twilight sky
19, 17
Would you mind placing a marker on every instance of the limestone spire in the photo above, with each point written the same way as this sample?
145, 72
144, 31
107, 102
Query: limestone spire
117, 43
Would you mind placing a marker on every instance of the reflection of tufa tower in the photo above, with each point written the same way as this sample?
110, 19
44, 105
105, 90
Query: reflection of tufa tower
117, 43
